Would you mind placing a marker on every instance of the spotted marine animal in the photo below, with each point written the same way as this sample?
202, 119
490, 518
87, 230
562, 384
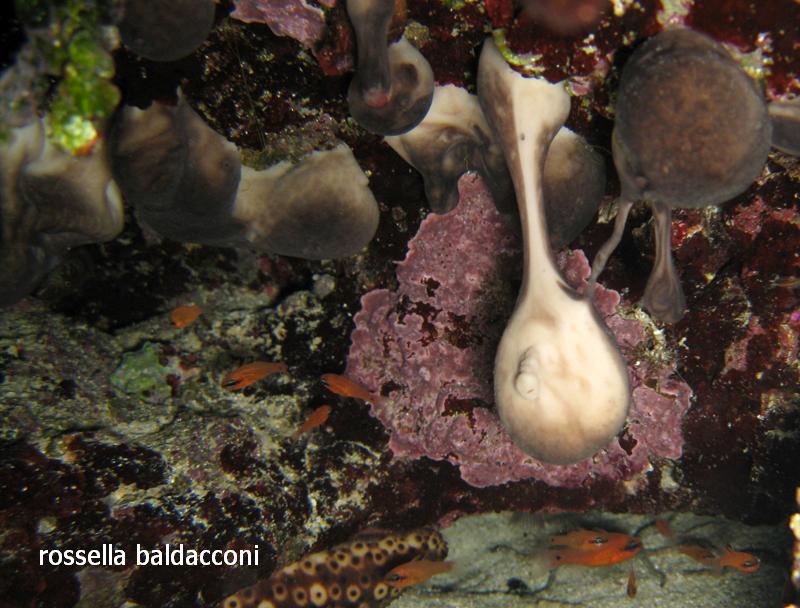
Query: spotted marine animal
350, 575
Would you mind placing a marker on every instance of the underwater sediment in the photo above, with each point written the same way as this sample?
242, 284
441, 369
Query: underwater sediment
115, 426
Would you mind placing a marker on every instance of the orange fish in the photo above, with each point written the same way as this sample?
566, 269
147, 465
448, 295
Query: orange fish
631, 589
347, 388
617, 548
184, 316
251, 372
316, 418
580, 539
664, 529
717, 560
741, 561
698, 553
415, 572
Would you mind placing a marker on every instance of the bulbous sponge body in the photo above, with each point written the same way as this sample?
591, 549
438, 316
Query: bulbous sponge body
187, 183
561, 385
50, 201
320, 208
165, 30
574, 181
691, 126
178, 173
392, 89
785, 116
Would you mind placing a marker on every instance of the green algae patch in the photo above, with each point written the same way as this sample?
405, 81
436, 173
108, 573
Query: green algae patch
141, 374
68, 68
85, 96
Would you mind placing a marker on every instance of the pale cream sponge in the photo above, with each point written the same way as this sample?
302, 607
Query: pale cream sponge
561, 385
455, 138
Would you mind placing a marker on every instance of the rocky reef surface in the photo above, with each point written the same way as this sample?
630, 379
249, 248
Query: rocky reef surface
114, 427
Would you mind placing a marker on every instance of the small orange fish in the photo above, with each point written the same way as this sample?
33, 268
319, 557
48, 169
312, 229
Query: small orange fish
415, 572
184, 316
580, 539
717, 560
741, 561
316, 418
700, 554
631, 589
251, 372
617, 548
664, 529
347, 388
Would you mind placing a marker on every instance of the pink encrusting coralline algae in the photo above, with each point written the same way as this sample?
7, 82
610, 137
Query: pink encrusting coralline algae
293, 18
429, 347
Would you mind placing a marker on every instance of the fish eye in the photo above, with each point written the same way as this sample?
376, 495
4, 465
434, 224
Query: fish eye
394, 577
599, 540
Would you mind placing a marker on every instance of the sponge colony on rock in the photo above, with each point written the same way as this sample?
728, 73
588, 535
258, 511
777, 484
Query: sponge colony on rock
187, 183
691, 130
427, 348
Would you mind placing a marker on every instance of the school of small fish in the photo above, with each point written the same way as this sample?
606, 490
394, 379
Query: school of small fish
367, 572
595, 548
